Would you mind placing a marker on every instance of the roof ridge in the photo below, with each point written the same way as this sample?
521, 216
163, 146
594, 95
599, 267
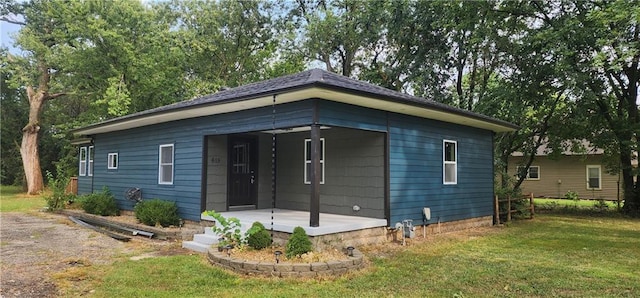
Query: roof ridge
317, 75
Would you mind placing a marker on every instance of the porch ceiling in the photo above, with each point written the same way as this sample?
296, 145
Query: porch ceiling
286, 220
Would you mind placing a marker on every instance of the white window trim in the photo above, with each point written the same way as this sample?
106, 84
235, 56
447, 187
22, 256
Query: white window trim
112, 156
307, 163
445, 162
160, 164
90, 161
599, 177
82, 163
527, 177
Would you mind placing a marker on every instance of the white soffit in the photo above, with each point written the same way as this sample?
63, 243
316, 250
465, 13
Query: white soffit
287, 97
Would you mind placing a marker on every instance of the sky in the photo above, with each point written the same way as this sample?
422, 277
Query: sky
6, 30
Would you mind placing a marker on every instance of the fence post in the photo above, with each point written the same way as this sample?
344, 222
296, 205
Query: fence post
508, 208
496, 215
533, 206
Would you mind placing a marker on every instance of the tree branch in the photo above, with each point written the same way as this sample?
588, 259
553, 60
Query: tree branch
56, 95
11, 21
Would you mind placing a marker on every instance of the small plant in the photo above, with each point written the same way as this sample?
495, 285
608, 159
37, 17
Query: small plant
600, 206
571, 195
157, 212
59, 196
228, 228
258, 237
102, 203
298, 244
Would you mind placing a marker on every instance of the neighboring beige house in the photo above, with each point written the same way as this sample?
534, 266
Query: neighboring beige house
583, 173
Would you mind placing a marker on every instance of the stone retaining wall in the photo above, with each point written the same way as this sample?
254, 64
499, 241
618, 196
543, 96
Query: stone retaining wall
286, 269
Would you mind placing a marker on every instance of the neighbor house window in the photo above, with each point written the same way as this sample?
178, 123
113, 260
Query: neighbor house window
90, 164
307, 161
165, 168
82, 166
594, 177
450, 162
112, 161
532, 173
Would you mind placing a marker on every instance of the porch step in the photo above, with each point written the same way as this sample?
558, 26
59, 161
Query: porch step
196, 246
209, 239
202, 242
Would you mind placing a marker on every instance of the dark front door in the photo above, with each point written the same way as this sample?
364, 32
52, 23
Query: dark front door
243, 170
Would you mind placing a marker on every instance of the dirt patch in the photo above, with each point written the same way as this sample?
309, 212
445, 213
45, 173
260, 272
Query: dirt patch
267, 255
35, 247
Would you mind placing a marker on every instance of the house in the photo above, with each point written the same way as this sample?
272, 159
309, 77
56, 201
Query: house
582, 173
314, 142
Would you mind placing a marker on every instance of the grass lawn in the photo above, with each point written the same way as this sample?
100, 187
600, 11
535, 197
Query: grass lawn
552, 255
12, 199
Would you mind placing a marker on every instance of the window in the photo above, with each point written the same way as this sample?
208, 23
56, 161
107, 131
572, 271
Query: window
90, 165
533, 173
82, 166
450, 162
165, 168
240, 159
307, 161
112, 161
593, 178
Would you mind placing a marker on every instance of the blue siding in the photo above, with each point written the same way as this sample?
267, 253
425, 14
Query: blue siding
344, 115
84, 185
416, 170
138, 153
415, 158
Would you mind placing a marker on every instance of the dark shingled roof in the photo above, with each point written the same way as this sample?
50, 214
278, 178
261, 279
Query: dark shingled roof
301, 80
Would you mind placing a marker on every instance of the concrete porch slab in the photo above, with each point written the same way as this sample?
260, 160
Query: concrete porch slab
286, 220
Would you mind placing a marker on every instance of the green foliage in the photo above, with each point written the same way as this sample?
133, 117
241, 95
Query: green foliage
59, 196
600, 208
157, 212
258, 237
571, 195
102, 203
228, 228
298, 244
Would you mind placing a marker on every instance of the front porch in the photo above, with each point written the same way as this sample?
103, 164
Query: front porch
286, 220
336, 231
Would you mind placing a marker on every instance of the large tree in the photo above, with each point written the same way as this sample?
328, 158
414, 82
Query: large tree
40, 36
105, 57
599, 49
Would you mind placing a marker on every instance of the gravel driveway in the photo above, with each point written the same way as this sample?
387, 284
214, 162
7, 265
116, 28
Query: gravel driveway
33, 246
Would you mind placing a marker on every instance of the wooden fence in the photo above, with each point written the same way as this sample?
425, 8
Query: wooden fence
72, 187
509, 211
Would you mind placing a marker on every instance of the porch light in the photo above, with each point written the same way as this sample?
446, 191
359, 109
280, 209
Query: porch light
228, 248
350, 250
277, 253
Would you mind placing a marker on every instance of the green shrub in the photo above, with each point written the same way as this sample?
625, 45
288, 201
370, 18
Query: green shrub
298, 243
102, 203
59, 196
227, 228
258, 237
157, 212
571, 195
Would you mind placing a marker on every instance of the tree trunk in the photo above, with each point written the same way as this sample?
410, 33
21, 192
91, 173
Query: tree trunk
29, 147
31, 159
